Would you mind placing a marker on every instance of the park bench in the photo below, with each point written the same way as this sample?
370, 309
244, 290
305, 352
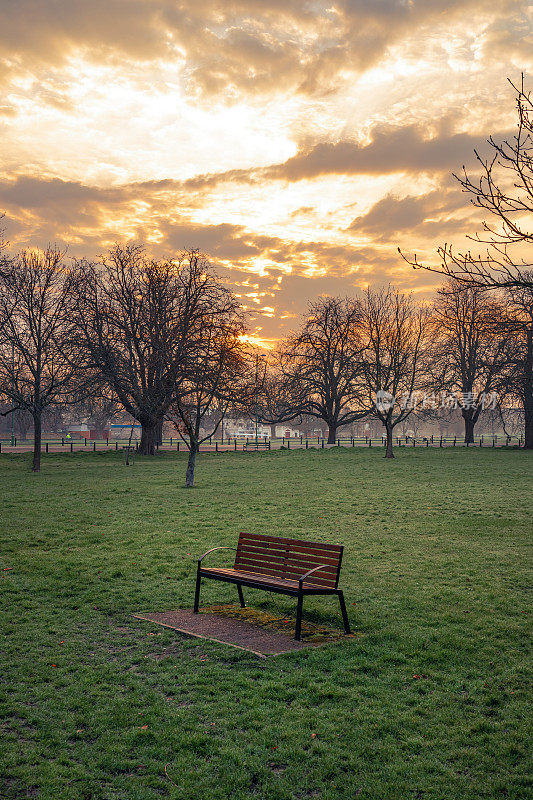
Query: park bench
252, 444
286, 566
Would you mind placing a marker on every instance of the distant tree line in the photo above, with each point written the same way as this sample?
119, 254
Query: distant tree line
165, 340
385, 357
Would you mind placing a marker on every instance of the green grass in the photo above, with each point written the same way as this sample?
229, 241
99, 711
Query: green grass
94, 704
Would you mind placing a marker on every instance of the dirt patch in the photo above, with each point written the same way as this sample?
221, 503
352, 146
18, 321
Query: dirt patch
258, 632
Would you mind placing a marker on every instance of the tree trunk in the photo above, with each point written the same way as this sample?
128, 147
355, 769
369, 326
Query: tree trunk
189, 475
388, 447
469, 429
528, 428
332, 432
159, 433
37, 436
528, 393
148, 438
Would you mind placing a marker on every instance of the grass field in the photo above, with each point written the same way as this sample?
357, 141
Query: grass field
430, 702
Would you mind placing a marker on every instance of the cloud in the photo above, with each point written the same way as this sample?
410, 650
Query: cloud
223, 241
392, 214
426, 215
31, 193
266, 271
392, 149
148, 92
511, 38
227, 49
213, 179
314, 48
49, 209
60, 204
89, 218
49, 31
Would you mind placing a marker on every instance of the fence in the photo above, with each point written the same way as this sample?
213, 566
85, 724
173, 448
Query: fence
250, 443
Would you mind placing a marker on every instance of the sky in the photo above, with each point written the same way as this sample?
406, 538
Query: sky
297, 144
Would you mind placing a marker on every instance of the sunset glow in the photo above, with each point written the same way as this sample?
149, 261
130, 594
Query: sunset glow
297, 144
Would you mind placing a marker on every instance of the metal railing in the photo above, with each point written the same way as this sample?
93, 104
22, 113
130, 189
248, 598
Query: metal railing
60, 444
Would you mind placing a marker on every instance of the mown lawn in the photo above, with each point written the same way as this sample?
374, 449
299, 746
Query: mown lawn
431, 702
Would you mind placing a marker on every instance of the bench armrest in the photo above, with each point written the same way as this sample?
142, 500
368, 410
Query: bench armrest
213, 550
301, 580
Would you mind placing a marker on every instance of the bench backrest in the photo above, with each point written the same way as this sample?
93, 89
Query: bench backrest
289, 558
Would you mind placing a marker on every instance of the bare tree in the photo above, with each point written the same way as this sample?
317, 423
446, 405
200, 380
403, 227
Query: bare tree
517, 379
16, 421
504, 188
317, 368
217, 374
98, 409
468, 352
38, 366
135, 317
394, 359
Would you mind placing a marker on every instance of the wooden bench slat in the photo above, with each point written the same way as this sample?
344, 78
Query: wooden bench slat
292, 554
298, 559
277, 550
282, 569
267, 551
293, 559
296, 542
243, 545
311, 579
261, 577
282, 573
317, 577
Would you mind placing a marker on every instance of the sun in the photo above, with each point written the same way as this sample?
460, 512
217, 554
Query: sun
257, 341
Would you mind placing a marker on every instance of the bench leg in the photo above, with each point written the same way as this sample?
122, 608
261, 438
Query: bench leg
298, 633
241, 597
344, 613
197, 592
